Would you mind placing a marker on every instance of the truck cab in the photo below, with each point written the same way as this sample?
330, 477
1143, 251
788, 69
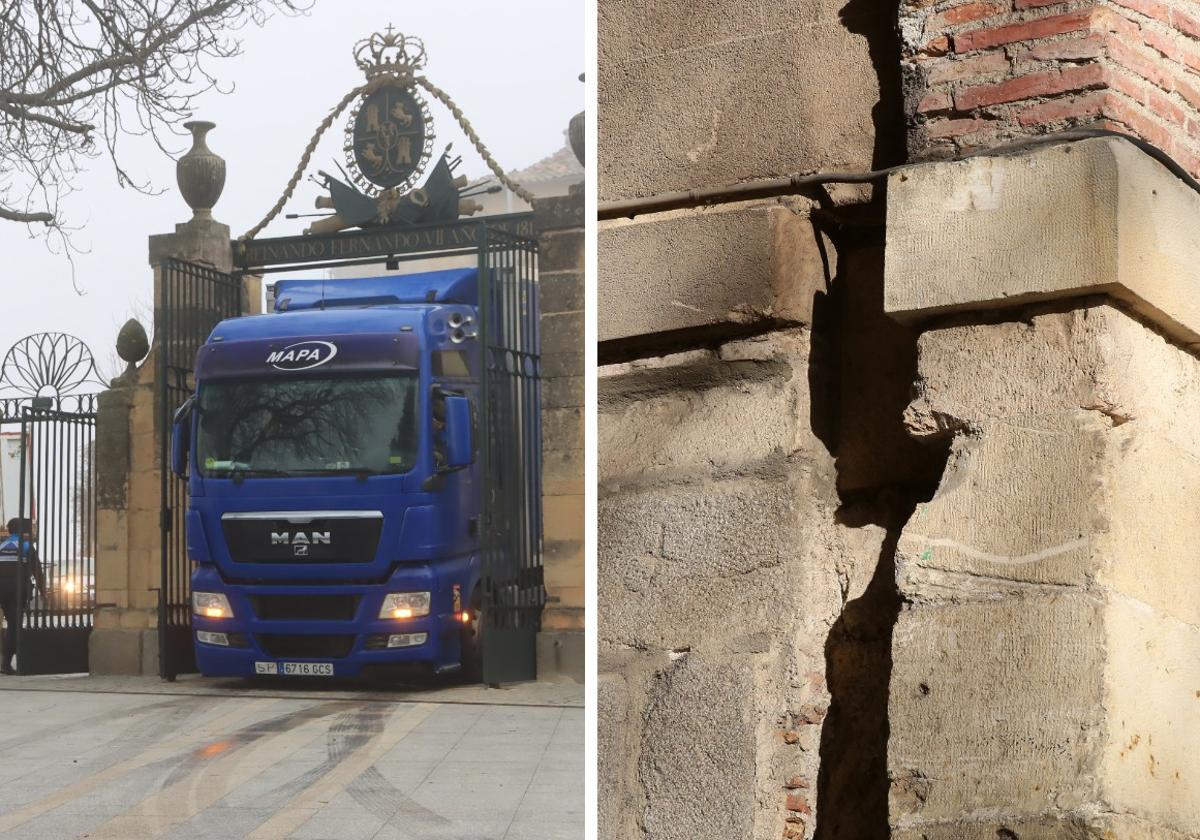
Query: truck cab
331, 453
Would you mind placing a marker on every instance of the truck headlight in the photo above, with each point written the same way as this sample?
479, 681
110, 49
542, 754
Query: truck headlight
211, 605
405, 605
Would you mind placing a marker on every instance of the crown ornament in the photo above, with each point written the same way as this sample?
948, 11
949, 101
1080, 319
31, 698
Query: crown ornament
390, 53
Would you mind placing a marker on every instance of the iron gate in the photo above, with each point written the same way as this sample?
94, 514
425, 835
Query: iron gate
195, 298
513, 591
57, 495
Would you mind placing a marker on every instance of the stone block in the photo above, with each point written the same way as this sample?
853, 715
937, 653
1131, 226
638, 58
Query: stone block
1151, 762
149, 651
614, 729
113, 652
562, 517
560, 656
558, 365
698, 94
561, 292
692, 565
698, 753
562, 333
558, 252
560, 212
1094, 217
561, 391
1020, 502
562, 429
693, 411
731, 265
562, 472
996, 704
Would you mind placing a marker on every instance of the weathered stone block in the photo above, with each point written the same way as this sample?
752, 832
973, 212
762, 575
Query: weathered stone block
692, 94
706, 411
691, 565
561, 391
996, 519
561, 292
996, 704
1097, 216
719, 266
560, 656
698, 750
115, 651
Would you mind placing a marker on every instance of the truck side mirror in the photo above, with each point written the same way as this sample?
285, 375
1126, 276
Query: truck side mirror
460, 447
181, 438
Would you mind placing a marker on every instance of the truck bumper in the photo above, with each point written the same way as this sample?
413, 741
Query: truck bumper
257, 646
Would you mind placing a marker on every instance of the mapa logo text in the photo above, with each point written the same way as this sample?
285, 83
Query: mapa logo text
302, 355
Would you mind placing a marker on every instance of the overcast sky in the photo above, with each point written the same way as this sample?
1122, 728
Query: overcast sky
512, 67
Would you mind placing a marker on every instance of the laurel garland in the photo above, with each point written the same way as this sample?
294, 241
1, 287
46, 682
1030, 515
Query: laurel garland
465, 124
364, 90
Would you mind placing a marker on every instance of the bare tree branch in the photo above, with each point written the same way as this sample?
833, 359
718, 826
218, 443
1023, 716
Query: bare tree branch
78, 76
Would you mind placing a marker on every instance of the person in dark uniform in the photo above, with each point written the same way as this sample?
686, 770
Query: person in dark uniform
18, 576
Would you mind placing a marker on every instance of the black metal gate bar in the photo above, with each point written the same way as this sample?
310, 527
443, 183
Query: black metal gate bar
57, 494
513, 591
195, 298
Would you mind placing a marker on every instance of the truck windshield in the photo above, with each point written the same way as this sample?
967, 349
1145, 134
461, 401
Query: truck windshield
304, 426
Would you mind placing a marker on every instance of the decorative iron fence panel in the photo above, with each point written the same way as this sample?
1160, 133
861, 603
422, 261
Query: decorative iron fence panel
511, 446
58, 501
195, 298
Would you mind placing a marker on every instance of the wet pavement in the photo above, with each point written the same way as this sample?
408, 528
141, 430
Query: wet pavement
132, 758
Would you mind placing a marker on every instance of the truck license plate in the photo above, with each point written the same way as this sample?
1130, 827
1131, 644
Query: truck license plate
295, 669
308, 669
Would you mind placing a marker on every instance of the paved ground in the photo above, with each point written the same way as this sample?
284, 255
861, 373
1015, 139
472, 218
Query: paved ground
134, 758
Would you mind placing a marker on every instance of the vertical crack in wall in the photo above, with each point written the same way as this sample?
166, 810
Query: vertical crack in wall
862, 373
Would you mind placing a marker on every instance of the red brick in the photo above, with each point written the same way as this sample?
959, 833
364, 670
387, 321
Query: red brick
1188, 90
1138, 62
1137, 121
936, 101
1046, 83
1149, 8
1185, 23
798, 802
1168, 46
1107, 20
1161, 104
965, 13
937, 46
967, 68
948, 129
980, 39
1068, 108
1070, 49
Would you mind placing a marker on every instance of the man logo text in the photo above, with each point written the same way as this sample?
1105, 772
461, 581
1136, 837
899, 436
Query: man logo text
300, 538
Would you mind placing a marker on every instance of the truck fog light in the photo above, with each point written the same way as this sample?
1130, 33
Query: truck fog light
403, 605
211, 605
212, 638
407, 639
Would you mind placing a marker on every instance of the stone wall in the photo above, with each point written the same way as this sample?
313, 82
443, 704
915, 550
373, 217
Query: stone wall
1044, 679
559, 221
983, 71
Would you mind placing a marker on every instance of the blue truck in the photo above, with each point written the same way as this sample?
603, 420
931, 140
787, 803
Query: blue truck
338, 486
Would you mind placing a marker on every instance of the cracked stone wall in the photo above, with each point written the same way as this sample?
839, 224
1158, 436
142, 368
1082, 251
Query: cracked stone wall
1046, 673
754, 476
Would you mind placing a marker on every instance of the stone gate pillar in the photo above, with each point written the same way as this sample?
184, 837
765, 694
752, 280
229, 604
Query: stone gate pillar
1046, 662
129, 430
559, 222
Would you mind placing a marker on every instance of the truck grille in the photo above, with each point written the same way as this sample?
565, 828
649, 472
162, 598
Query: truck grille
296, 537
297, 646
305, 607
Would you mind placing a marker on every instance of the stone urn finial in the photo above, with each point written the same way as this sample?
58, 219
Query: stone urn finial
575, 133
200, 173
132, 343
